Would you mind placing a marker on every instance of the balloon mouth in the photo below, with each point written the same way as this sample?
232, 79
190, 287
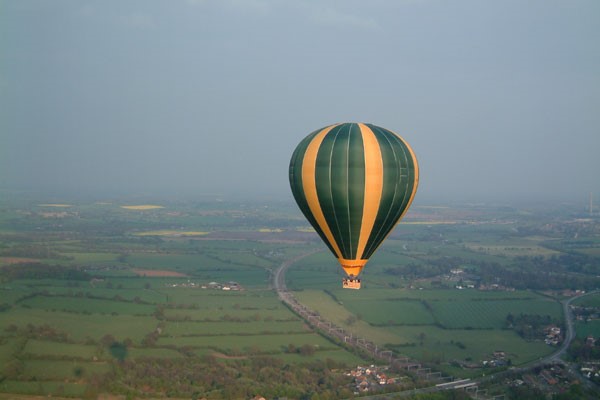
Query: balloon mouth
352, 267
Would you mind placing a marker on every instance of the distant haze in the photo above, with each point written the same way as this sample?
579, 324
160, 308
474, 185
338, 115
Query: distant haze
499, 99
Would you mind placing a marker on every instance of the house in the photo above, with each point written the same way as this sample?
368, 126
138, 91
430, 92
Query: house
363, 386
548, 377
590, 341
382, 379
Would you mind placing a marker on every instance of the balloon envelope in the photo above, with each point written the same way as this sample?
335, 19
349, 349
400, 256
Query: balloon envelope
353, 182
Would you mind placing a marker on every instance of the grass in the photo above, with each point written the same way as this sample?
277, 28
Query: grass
512, 249
384, 312
46, 388
446, 345
338, 314
218, 313
92, 258
8, 348
341, 356
135, 352
592, 300
200, 263
46, 370
234, 328
583, 329
384, 320
127, 289
241, 344
184, 262
86, 305
219, 299
80, 327
490, 314
41, 348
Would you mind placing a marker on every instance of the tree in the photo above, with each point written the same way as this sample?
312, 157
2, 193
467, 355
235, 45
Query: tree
307, 350
107, 340
118, 351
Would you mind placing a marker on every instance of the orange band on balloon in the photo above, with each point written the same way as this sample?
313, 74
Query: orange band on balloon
352, 267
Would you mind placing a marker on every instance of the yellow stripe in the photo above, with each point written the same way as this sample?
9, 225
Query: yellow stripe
309, 164
414, 191
416, 183
373, 186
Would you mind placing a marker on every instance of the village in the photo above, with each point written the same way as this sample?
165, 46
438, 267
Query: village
549, 379
373, 378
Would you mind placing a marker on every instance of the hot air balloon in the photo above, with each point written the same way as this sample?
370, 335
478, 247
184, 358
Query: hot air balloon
353, 182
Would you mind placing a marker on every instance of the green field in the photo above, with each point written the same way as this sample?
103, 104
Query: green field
241, 343
177, 329
584, 329
592, 300
134, 296
86, 305
436, 326
41, 348
48, 370
50, 388
80, 327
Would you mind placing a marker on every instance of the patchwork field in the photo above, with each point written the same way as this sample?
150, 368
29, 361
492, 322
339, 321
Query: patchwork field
89, 291
435, 325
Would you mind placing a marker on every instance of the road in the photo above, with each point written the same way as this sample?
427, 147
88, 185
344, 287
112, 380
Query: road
279, 276
570, 334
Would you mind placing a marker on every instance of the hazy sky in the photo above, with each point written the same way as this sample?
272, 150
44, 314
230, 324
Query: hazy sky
497, 98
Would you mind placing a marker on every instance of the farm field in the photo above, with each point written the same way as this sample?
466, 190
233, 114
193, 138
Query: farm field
439, 326
585, 329
141, 292
89, 289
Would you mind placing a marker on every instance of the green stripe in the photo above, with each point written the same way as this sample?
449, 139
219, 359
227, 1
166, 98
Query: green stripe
340, 185
295, 176
323, 176
356, 186
398, 185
